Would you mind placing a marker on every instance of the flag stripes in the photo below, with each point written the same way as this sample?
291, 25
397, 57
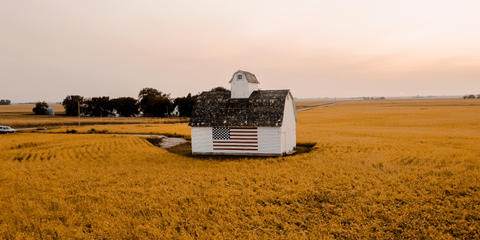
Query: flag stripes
235, 139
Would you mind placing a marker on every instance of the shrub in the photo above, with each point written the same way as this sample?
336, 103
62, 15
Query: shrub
41, 108
5, 102
93, 130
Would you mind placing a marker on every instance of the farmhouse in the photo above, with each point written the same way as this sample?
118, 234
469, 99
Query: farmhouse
244, 121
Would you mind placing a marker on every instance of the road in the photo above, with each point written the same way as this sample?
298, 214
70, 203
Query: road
317, 106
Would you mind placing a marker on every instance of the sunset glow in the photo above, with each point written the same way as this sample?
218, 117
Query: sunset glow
53, 48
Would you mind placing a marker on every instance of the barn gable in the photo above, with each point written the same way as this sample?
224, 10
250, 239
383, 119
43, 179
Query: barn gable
264, 108
251, 78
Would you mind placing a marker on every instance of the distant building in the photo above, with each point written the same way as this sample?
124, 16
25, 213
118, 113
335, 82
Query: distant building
50, 111
175, 112
114, 113
245, 120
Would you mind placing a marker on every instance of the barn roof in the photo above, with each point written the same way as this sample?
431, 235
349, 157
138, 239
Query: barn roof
264, 108
251, 78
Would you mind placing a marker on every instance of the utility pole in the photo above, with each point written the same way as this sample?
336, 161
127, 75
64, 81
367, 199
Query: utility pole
78, 105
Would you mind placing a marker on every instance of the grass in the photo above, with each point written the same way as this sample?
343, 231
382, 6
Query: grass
169, 130
380, 169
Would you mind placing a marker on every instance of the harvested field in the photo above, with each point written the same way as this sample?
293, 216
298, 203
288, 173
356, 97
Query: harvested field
380, 169
21, 116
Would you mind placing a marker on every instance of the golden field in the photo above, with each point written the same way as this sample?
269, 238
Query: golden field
381, 169
21, 116
312, 103
27, 108
168, 129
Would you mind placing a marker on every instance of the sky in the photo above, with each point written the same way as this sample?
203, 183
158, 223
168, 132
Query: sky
53, 48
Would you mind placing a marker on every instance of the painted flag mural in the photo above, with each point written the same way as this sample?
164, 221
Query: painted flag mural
235, 139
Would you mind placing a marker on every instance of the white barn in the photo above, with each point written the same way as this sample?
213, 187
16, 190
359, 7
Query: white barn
244, 121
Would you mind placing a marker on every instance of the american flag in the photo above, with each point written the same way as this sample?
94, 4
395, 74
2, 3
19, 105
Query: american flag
235, 139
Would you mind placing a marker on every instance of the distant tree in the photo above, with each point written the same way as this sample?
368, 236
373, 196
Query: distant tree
478, 96
185, 105
71, 104
5, 102
154, 103
98, 106
162, 106
125, 106
219, 89
471, 96
146, 100
41, 108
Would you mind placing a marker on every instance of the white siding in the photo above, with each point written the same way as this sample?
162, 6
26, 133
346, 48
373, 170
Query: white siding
241, 88
269, 140
252, 87
289, 128
202, 141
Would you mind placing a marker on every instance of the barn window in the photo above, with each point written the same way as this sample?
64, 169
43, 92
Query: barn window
239, 76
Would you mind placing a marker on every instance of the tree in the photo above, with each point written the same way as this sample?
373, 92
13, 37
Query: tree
5, 102
125, 106
162, 106
478, 96
41, 108
219, 89
98, 106
471, 96
154, 103
71, 104
185, 105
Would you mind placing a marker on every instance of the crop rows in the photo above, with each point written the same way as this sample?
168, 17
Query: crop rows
381, 169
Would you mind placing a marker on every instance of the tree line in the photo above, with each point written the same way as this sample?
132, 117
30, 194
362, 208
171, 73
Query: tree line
5, 102
471, 96
150, 103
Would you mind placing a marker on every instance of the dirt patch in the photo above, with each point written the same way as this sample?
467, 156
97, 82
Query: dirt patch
169, 142
166, 142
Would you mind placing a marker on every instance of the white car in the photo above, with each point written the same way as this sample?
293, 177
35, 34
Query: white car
6, 129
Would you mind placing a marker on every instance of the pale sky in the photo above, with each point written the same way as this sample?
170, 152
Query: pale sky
53, 48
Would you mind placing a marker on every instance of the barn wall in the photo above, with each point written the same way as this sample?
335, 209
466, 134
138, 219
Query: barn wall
241, 88
289, 129
269, 140
202, 139
252, 87
268, 143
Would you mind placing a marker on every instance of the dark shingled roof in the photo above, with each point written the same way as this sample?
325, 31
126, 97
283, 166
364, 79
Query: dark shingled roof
264, 108
250, 76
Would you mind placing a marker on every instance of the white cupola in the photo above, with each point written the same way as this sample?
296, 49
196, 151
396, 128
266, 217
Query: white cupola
242, 84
